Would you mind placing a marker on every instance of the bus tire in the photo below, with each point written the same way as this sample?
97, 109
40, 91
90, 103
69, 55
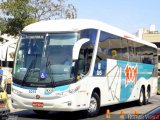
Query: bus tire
40, 112
147, 96
141, 99
94, 106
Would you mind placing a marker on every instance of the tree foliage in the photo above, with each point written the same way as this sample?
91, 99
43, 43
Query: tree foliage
16, 14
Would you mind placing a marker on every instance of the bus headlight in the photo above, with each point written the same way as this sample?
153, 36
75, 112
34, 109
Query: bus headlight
71, 90
16, 91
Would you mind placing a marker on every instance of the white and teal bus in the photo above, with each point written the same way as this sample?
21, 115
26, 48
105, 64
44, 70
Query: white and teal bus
72, 65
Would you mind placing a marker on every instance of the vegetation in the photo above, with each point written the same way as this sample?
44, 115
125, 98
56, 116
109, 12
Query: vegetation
16, 14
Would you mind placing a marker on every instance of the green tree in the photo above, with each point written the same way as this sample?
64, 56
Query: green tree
16, 14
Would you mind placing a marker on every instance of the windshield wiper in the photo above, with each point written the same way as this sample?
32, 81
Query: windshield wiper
49, 70
29, 69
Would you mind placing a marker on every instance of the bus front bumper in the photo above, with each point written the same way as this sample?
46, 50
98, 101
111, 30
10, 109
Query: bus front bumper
66, 103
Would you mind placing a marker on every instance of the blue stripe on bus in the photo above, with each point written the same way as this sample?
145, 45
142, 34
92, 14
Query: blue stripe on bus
61, 88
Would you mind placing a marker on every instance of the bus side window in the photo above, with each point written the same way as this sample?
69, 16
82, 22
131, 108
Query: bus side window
89, 53
81, 62
147, 54
124, 49
132, 54
137, 52
85, 58
115, 46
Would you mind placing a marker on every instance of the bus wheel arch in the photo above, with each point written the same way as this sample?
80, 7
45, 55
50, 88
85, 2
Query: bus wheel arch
94, 105
97, 90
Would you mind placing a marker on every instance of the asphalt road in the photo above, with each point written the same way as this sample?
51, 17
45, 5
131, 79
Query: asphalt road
128, 108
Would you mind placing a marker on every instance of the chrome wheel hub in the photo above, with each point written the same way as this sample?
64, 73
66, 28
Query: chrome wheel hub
93, 105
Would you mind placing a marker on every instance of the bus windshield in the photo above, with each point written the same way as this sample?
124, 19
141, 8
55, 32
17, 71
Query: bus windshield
44, 59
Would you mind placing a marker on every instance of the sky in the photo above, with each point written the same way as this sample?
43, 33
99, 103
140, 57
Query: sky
129, 15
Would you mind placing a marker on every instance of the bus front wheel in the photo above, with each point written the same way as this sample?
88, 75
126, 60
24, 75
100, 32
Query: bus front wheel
94, 106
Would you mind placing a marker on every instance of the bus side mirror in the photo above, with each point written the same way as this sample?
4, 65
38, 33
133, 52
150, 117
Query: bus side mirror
77, 46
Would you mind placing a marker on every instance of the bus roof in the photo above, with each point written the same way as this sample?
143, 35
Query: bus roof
74, 25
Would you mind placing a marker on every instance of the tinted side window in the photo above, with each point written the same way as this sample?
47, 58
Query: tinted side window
103, 53
89, 33
131, 51
85, 58
155, 55
86, 51
148, 56
109, 47
137, 57
124, 49
103, 47
115, 47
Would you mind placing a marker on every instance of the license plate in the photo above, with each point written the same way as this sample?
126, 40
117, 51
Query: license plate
37, 104
2, 104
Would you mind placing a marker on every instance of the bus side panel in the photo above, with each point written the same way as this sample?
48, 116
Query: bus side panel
134, 75
122, 81
113, 80
109, 82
